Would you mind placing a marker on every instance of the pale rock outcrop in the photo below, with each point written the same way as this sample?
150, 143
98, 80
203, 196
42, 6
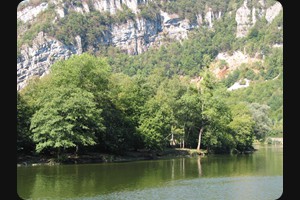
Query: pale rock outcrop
31, 12
85, 7
134, 37
209, 17
238, 85
273, 11
247, 17
243, 20
112, 6
60, 11
37, 59
235, 60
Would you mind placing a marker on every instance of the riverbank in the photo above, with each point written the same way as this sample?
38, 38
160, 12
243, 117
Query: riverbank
26, 160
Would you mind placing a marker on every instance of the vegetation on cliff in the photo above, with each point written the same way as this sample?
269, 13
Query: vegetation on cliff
108, 101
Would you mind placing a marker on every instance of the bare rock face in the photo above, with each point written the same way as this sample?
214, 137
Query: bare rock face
61, 7
134, 37
246, 17
243, 20
36, 60
31, 12
273, 11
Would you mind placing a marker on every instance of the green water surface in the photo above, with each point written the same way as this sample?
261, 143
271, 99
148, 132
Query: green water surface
257, 176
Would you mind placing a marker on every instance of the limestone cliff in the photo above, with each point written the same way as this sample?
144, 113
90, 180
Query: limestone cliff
247, 16
134, 36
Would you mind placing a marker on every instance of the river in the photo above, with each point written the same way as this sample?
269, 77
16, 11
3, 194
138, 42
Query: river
256, 176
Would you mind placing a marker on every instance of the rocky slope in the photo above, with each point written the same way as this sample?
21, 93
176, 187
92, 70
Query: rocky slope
134, 36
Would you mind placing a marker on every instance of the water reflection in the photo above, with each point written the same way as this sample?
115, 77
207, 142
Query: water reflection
92, 180
199, 166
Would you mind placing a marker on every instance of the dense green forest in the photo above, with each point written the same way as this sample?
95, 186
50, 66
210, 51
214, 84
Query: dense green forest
108, 101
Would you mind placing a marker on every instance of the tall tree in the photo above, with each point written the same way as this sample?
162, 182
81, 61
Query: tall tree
69, 102
24, 113
155, 122
215, 113
67, 119
263, 123
242, 126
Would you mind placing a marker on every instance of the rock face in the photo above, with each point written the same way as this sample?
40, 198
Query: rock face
238, 85
134, 37
37, 59
30, 12
80, 6
232, 62
246, 16
273, 11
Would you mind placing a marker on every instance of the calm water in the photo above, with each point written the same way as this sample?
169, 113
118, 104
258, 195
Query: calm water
257, 176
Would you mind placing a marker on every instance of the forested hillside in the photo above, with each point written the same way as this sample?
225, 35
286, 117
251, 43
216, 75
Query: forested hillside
176, 92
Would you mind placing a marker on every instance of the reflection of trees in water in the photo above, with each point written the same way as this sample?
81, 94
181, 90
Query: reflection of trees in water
185, 167
24, 186
199, 166
182, 167
96, 179
173, 169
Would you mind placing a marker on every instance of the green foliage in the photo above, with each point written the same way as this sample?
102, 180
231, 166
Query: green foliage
189, 9
263, 123
120, 133
250, 74
224, 36
155, 123
84, 71
68, 118
68, 103
242, 126
27, 32
215, 114
123, 15
70, 26
274, 63
262, 36
266, 94
187, 112
24, 113
232, 78
118, 102
150, 11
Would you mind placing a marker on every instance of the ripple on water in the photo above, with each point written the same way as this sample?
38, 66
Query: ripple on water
231, 188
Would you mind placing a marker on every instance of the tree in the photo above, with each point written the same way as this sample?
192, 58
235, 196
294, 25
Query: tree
215, 114
155, 124
24, 113
242, 126
187, 111
262, 121
83, 71
217, 136
120, 132
69, 103
67, 119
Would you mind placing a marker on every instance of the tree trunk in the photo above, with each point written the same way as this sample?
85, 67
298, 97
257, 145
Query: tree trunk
58, 154
76, 151
199, 139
